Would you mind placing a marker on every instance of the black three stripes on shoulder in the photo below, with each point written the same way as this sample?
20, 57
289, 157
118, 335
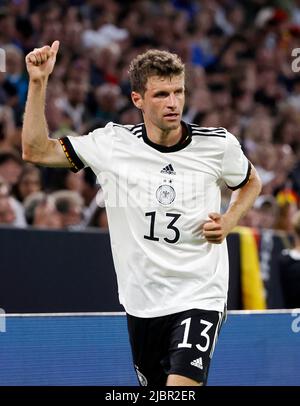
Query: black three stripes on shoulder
137, 130
208, 132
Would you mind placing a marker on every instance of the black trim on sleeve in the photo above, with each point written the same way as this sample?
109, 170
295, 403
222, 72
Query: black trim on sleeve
71, 155
244, 181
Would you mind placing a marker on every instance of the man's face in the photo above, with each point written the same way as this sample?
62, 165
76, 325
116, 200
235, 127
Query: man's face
11, 171
30, 183
163, 101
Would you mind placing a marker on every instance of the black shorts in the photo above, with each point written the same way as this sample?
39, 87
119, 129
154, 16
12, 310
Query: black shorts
180, 343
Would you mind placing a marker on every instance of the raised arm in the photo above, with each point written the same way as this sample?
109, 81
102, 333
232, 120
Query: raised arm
37, 147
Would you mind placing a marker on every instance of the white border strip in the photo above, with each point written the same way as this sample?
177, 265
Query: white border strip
88, 314
270, 311
64, 314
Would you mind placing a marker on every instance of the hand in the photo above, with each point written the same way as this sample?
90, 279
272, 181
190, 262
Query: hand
40, 62
216, 229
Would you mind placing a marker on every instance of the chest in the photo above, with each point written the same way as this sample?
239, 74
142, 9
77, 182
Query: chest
141, 176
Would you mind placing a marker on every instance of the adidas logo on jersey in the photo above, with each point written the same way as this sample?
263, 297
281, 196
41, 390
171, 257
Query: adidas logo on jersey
197, 363
168, 169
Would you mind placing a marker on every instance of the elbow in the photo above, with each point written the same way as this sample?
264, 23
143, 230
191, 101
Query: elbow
258, 184
259, 188
26, 150
28, 156
25, 156
256, 180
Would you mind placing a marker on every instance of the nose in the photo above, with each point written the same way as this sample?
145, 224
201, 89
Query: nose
172, 100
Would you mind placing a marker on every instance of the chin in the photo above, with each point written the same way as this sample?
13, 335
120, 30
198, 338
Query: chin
172, 126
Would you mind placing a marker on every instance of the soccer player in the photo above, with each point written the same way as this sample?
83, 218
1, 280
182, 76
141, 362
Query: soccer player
161, 181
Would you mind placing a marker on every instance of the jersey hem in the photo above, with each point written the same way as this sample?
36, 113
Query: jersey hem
218, 307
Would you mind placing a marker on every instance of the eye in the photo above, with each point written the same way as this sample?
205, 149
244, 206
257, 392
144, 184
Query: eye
161, 94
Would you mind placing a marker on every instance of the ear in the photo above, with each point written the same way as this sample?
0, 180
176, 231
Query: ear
137, 100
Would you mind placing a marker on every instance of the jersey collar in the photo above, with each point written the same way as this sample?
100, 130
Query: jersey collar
182, 143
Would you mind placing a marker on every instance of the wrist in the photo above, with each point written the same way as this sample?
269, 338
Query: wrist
37, 82
230, 220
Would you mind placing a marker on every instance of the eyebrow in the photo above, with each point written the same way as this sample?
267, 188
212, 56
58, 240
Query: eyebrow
162, 92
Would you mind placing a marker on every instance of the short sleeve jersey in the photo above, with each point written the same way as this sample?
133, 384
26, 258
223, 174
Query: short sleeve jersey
157, 199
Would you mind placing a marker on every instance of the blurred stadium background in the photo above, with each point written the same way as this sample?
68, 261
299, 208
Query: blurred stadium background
242, 74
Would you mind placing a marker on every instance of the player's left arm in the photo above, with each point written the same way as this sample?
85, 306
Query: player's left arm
219, 226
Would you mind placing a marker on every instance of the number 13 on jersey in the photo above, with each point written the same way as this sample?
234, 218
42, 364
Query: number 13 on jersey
172, 239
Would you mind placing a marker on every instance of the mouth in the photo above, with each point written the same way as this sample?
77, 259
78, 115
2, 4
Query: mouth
171, 116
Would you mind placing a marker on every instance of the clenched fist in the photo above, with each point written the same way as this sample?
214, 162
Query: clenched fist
216, 229
40, 62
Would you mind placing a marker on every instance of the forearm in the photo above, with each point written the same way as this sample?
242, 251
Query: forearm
242, 200
35, 130
37, 147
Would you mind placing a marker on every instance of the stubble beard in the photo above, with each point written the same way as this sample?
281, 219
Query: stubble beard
167, 127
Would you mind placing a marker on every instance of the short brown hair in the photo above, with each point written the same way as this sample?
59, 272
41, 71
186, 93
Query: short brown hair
153, 63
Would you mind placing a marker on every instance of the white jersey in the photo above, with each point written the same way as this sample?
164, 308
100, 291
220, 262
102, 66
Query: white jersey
157, 198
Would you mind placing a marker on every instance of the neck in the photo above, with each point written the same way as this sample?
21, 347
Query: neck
167, 138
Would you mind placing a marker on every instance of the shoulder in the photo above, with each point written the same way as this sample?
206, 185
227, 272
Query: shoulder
215, 137
135, 130
208, 132
210, 135
115, 130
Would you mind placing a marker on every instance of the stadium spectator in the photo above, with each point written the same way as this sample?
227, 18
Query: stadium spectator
7, 128
10, 166
15, 74
286, 213
73, 103
267, 212
40, 211
69, 205
108, 101
30, 181
12, 211
7, 213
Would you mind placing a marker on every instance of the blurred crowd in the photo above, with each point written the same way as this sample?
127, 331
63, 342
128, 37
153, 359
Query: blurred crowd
242, 74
